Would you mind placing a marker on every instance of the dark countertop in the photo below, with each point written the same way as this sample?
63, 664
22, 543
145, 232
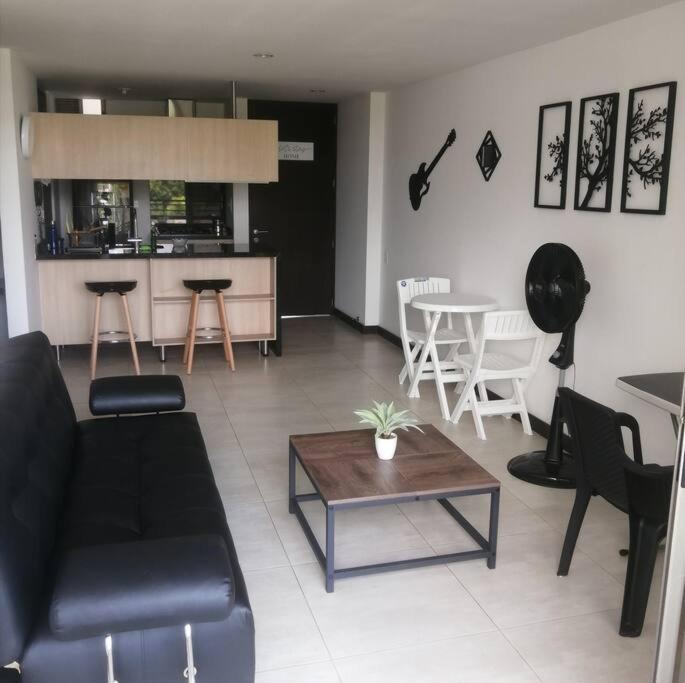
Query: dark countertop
227, 251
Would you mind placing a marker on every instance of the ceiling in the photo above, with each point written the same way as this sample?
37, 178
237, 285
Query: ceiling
192, 48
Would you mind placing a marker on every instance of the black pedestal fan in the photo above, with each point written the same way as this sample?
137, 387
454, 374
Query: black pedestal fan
555, 294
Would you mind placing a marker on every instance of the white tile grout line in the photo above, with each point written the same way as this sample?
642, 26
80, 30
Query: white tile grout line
285, 552
208, 371
431, 642
301, 666
500, 630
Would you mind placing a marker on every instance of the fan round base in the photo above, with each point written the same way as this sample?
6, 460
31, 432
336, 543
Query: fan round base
535, 469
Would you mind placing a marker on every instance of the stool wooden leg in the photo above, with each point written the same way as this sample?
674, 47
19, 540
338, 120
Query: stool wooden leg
195, 309
131, 336
96, 336
223, 321
186, 346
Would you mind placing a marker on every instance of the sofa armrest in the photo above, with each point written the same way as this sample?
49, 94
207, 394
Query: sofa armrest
136, 394
139, 585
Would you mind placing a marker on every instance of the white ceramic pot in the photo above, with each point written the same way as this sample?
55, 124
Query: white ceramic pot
385, 448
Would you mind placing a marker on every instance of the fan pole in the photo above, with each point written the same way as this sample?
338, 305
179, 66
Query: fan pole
552, 467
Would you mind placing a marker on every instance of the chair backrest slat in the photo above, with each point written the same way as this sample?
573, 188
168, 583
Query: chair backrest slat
597, 446
509, 325
410, 287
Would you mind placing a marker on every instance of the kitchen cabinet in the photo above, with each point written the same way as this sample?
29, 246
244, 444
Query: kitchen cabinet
233, 150
250, 301
67, 306
160, 302
79, 146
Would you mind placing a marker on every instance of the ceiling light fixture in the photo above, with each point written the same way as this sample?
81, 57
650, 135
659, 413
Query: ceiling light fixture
263, 55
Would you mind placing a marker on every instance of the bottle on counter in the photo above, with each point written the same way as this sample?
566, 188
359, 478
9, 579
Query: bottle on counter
52, 239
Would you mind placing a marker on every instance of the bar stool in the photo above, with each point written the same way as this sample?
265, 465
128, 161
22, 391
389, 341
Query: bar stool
121, 288
198, 286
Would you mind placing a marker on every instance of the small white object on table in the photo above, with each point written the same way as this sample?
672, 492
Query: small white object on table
433, 306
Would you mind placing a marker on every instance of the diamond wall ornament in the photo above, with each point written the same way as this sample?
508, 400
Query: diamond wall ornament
488, 155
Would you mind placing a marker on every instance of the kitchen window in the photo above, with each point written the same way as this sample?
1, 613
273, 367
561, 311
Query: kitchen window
178, 207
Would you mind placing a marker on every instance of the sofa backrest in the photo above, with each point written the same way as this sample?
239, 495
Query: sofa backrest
37, 432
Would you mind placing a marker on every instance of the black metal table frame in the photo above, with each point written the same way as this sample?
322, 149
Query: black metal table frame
488, 547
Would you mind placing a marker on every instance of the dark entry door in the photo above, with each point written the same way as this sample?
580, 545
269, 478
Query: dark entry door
298, 212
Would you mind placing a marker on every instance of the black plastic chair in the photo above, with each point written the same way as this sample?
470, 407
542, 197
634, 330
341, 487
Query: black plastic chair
641, 491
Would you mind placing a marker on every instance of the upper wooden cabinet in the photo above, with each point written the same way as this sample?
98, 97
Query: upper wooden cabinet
235, 150
154, 147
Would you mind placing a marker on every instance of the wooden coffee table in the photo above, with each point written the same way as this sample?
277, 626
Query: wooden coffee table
346, 473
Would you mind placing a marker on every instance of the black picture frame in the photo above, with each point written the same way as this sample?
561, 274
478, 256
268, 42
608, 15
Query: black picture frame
649, 137
596, 152
556, 147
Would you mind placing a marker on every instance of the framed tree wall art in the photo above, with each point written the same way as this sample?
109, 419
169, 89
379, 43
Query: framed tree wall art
596, 152
554, 127
647, 156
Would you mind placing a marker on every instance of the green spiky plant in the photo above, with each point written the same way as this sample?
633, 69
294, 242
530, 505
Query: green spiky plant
386, 419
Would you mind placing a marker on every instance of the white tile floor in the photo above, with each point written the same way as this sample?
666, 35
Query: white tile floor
460, 622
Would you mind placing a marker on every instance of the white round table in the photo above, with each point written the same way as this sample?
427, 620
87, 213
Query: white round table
433, 306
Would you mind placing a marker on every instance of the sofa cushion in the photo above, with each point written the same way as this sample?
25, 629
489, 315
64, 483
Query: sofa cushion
138, 478
38, 428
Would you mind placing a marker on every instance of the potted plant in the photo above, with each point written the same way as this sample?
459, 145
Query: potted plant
387, 421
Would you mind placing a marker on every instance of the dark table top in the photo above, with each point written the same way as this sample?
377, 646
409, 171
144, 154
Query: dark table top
662, 389
344, 467
227, 251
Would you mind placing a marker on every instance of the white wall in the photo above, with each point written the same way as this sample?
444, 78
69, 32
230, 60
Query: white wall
483, 234
359, 206
352, 186
374, 212
17, 206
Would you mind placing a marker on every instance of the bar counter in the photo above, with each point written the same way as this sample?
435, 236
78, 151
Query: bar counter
160, 303
224, 251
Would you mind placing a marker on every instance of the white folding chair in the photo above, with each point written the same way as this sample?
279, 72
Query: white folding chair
413, 340
500, 326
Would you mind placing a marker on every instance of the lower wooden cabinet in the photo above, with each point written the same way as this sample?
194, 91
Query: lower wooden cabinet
67, 306
160, 303
250, 300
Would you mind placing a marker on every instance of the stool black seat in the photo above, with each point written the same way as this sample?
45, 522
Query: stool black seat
122, 288
197, 287
111, 287
200, 285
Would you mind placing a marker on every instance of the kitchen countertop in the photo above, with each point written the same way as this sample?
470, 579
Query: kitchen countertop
227, 251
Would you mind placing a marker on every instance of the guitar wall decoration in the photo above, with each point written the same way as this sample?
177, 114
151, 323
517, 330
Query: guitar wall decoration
418, 182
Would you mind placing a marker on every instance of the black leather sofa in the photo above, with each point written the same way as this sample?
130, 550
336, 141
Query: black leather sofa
112, 526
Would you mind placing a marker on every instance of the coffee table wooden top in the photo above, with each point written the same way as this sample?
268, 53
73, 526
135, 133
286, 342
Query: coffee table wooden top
344, 467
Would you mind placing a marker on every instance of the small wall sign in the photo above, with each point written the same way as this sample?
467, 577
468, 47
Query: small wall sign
295, 151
